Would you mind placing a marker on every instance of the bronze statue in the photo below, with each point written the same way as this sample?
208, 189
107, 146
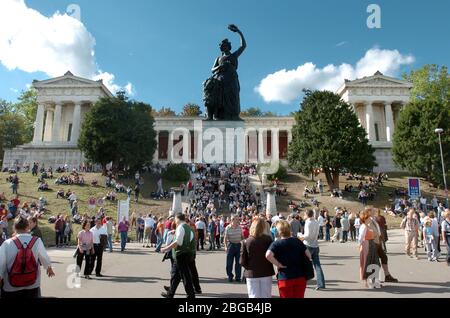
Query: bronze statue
221, 91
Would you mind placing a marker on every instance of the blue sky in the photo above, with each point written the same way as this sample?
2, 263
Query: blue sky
164, 49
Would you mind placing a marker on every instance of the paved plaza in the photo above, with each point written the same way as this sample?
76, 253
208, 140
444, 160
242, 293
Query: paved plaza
140, 273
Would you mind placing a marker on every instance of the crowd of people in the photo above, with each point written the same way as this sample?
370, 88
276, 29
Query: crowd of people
226, 213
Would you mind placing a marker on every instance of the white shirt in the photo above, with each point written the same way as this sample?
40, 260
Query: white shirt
362, 233
200, 225
275, 218
8, 252
72, 197
96, 232
357, 223
311, 233
321, 220
179, 234
149, 222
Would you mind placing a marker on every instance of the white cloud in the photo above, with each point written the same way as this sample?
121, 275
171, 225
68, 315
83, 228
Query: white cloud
286, 86
32, 42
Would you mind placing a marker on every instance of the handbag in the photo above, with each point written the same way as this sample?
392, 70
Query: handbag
244, 255
104, 240
308, 268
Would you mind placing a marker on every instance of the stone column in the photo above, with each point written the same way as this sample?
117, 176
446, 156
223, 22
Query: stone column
48, 125
261, 157
39, 124
275, 144
369, 122
271, 204
176, 203
170, 147
76, 124
56, 134
289, 136
156, 155
389, 121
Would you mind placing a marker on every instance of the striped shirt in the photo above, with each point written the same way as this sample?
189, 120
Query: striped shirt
234, 234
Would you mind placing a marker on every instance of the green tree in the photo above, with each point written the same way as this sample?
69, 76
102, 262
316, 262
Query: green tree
191, 110
416, 145
164, 112
252, 112
11, 131
27, 107
120, 131
5, 107
430, 82
327, 135
256, 112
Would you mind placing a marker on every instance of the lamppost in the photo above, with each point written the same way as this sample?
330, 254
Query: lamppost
439, 131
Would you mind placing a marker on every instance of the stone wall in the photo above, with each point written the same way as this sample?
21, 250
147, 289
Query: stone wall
49, 156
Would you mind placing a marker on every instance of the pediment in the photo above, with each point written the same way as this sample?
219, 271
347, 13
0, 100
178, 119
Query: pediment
71, 82
67, 80
378, 81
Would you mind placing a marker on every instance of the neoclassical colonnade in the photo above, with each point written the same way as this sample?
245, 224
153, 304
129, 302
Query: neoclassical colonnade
264, 139
379, 118
59, 122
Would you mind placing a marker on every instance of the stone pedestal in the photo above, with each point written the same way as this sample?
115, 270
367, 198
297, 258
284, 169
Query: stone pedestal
223, 141
177, 206
271, 204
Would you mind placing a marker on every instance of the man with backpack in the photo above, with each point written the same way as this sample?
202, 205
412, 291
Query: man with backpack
20, 257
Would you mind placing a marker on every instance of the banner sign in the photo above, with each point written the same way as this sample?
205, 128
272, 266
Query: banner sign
414, 188
123, 210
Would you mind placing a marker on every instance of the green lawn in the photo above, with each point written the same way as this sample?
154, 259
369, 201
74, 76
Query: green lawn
296, 184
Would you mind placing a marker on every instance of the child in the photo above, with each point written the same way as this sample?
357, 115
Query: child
421, 229
357, 224
429, 240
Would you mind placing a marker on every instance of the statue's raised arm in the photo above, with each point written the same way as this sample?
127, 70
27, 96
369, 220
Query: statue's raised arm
235, 29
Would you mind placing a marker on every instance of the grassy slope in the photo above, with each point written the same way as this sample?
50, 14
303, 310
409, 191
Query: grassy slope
296, 184
28, 193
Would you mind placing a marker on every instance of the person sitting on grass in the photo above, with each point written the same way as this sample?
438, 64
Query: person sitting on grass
43, 186
60, 194
111, 196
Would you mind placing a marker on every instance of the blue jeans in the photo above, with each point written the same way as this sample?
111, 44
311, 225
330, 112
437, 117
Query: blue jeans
316, 263
233, 254
327, 234
110, 245
159, 242
123, 240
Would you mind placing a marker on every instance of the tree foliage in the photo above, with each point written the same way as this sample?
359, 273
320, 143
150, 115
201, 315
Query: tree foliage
327, 135
120, 131
430, 82
191, 110
164, 112
256, 112
27, 107
11, 131
416, 145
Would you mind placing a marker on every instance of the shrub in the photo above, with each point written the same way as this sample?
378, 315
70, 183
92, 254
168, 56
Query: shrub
281, 174
176, 172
